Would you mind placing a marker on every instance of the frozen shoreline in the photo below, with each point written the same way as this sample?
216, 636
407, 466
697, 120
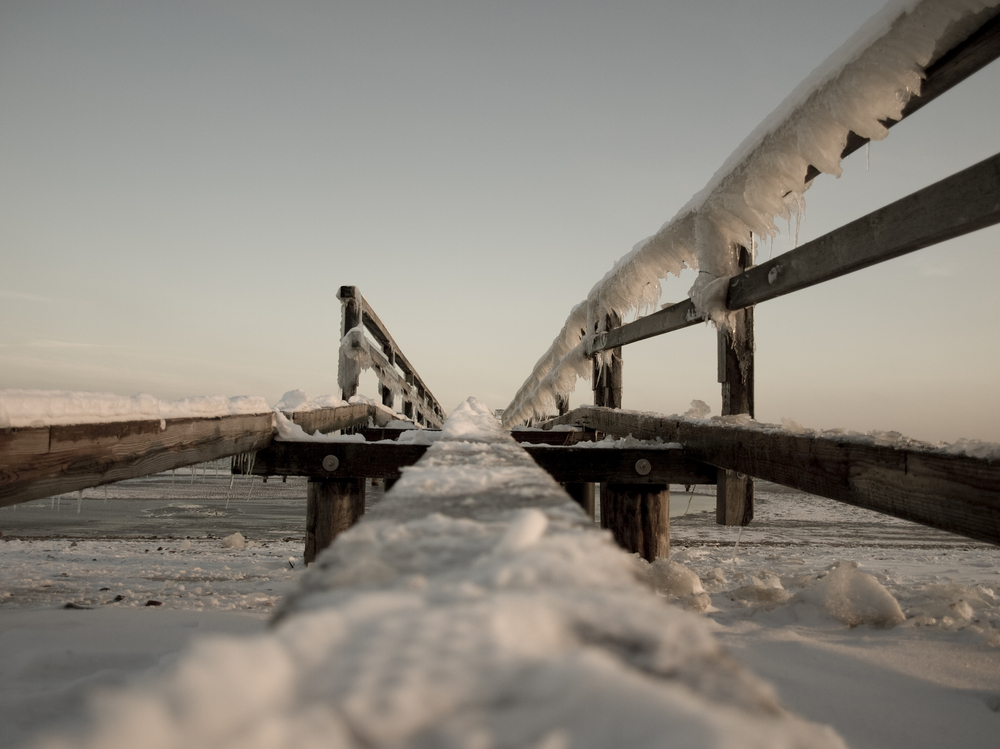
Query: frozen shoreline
935, 678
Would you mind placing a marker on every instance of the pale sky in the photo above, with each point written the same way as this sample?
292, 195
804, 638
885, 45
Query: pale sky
185, 185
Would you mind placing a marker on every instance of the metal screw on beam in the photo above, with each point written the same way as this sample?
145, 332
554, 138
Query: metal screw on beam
643, 467
331, 463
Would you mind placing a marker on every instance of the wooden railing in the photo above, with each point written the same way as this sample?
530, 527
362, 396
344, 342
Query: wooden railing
948, 491
394, 371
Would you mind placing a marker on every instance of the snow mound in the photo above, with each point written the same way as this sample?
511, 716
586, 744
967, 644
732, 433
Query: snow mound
853, 597
235, 541
296, 400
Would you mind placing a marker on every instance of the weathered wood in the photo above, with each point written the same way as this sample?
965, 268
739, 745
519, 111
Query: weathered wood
40, 462
638, 517
564, 464
960, 204
537, 437
326, 420
582, 493
353, 459
951, 68
332, 506
955, 493
574, 464
607, 375
734, 491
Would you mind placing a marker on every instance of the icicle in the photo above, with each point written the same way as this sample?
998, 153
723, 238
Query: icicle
690, 493
79, 501
253, 458
173, 475
105, 494
868, 156
737, 546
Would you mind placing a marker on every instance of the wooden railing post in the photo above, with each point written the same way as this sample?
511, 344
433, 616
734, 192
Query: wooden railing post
638, 518
332, 506
388, 398
350, 301
734, 491
638, 515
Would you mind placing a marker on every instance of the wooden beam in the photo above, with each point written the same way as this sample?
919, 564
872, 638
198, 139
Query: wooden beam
564, 464
960, 204
41, 462
955, 493
326, 420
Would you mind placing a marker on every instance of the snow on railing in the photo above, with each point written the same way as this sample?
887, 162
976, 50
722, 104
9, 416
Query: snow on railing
867, 81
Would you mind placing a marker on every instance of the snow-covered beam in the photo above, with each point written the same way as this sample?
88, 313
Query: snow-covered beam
950, 489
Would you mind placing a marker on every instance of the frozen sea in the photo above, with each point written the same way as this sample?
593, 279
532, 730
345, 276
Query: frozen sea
99, 590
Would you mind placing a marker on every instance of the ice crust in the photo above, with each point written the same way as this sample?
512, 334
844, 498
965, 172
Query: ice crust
869, 79
38, 408
475, 606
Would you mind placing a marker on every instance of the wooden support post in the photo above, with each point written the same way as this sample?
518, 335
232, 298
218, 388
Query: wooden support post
350, 300
607, 380
387, 396
734, 491
583, 493
332, 506
638, 516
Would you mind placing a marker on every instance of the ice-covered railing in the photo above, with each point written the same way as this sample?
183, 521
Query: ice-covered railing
396, 375
861, 90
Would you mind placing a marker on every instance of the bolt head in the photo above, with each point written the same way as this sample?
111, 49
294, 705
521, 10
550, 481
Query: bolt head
331, 463
643, 467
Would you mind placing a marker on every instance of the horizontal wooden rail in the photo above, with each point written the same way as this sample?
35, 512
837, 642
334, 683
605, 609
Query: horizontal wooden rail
566, 464
39, 462
954, 493
957, 205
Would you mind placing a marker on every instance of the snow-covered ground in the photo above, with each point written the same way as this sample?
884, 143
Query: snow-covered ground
779, 604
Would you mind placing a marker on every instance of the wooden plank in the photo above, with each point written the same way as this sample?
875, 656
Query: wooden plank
954, 493
573, 464
332, 506
957, 205
354, 459
675, 317
44, 461
964, 59
564, 464
326, 420
960, 204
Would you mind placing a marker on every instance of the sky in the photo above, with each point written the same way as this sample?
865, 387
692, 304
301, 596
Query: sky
185, 185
